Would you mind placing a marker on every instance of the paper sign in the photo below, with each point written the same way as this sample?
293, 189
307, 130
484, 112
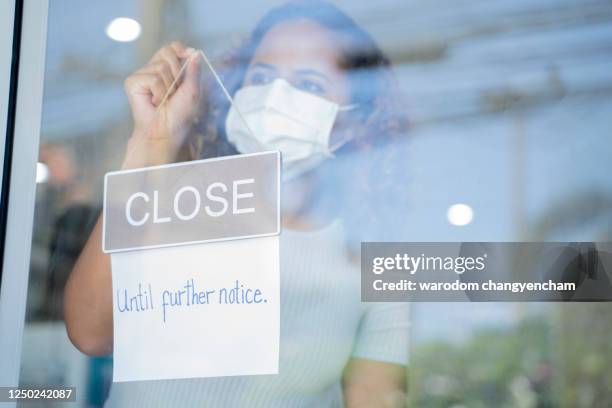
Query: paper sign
195, 280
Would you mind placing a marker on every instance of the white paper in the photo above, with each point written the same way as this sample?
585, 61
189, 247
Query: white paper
214, 334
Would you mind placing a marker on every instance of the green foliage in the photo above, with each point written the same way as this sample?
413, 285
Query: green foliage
585, 344
508, 367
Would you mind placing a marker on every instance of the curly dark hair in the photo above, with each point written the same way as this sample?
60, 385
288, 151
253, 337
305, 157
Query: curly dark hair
376, 157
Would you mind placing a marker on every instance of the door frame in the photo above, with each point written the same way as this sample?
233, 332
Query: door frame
20, 144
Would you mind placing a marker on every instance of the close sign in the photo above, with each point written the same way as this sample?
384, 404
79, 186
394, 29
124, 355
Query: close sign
195, 267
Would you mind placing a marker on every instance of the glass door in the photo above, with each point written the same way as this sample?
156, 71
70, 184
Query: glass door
430, 121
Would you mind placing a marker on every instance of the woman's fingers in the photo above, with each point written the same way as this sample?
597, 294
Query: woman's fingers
158, 88
168, 63
158, 79
181, 50
169, 55
173, 54
146, 83
192, 74
163, 70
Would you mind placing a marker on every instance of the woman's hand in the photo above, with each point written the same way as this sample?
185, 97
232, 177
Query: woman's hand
159, 131
369, 383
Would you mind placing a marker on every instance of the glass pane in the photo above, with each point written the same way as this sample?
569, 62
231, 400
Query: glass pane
415, 121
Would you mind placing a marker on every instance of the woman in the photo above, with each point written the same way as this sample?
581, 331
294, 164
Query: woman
335, 350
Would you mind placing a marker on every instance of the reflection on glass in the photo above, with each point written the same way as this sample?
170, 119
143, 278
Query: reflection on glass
503, 106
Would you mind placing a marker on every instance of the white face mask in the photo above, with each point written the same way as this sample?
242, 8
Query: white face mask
281, 117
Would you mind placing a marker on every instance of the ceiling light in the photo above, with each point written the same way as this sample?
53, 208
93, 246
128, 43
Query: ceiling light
123, 29
460, 214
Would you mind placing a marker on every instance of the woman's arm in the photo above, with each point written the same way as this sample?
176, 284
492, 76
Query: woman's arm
369, 383
158, 135
88, 298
